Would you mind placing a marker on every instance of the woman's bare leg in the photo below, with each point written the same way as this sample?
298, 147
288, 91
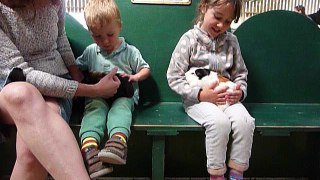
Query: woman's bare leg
27, 165
43, 131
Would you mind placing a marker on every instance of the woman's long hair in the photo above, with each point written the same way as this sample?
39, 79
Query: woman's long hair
37, 4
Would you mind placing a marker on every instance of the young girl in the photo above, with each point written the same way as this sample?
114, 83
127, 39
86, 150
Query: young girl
208, 45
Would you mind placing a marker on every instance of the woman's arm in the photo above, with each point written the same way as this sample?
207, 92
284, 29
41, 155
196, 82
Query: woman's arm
63, 45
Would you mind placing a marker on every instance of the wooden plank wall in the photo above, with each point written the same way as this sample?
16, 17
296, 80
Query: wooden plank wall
251, 7
254, 7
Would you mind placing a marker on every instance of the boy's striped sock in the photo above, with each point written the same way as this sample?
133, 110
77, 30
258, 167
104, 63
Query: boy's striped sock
88, 142
121, 136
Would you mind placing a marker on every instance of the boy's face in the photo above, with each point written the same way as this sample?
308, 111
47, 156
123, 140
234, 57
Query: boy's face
107, 36
217, 19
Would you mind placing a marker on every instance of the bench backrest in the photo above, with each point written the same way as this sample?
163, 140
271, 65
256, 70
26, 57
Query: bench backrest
282, 52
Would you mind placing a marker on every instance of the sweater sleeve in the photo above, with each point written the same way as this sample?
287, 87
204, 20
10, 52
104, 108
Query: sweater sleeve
179, 64
48, 85
239, 71
63, 45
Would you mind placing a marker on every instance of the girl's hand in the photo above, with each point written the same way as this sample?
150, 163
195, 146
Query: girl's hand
234, 96
213, 94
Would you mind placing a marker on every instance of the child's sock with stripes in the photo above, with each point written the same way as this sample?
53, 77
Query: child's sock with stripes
89, 143
121, 136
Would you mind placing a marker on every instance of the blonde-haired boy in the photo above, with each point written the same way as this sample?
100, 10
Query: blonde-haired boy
109, 50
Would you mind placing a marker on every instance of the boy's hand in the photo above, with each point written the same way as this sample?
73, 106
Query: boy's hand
131, 78
140, 76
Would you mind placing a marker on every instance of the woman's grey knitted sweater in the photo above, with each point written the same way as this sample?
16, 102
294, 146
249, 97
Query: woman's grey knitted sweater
35, 41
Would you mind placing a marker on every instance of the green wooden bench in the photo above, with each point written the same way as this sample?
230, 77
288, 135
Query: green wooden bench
281, 50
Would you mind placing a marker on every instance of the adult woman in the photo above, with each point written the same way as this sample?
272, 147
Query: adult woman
34, 48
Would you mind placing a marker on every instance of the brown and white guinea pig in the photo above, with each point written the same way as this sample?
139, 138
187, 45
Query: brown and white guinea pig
201, 77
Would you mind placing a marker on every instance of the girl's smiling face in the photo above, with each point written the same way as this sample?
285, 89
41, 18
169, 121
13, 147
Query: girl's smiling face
217, 19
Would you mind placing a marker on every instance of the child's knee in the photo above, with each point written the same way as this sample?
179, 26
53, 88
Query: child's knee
217, 122
245, 123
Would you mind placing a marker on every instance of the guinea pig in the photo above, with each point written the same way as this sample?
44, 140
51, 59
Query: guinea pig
201, 77
125, 89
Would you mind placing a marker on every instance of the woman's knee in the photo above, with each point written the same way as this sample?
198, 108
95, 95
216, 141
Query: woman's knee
18, 94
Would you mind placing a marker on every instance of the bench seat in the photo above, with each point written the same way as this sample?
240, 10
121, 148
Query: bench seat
170, 117
283, 118
272, 119
164, 116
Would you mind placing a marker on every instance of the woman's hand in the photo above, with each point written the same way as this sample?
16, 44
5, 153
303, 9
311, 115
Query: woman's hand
105, 88
108, 85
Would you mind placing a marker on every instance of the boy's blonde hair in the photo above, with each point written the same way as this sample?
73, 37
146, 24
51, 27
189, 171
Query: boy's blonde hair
100, 12
237, 4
